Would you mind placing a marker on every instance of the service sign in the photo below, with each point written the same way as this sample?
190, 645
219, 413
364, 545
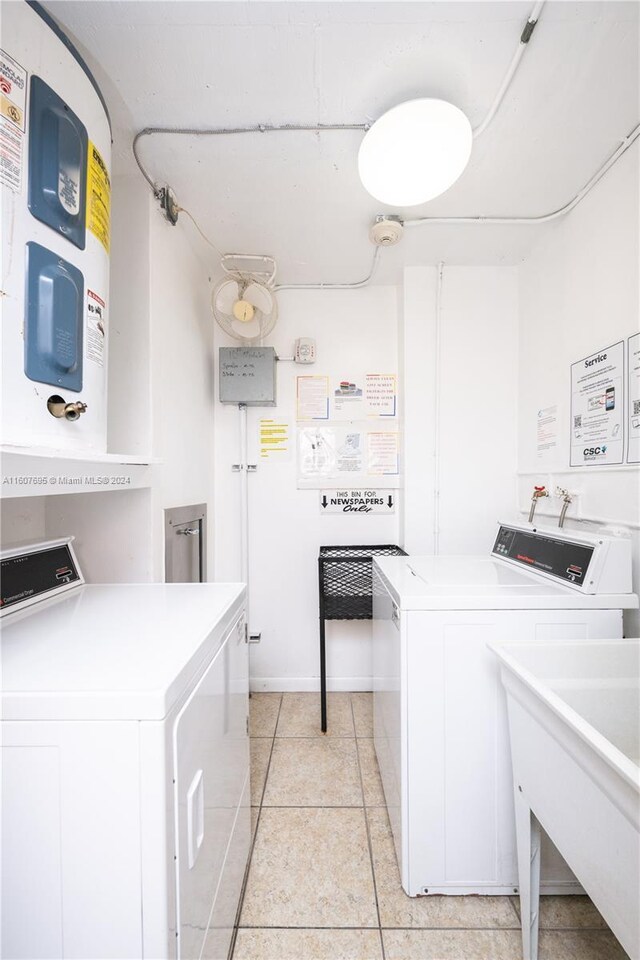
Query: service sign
597, 408
361, 502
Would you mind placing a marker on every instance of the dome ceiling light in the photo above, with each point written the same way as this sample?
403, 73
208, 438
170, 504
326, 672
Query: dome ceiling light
414, 152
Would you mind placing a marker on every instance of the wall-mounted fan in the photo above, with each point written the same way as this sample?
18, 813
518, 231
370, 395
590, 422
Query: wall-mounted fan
244, 302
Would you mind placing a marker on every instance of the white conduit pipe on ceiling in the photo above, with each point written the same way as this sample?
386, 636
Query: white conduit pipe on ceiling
232, 131
334, 286
328, 127
627, 142
547, 217
525, 36
363, 127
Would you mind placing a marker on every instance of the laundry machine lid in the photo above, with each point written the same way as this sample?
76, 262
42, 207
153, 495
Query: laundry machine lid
482, 583
471, 573
113, 652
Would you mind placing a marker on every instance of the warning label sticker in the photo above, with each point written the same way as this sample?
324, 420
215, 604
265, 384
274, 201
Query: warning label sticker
11, 112
13, 89
96, 333
11, 153
98, 197
13, 100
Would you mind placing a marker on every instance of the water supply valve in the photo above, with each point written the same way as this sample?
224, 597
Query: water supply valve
538, 492
58, 407
567, 500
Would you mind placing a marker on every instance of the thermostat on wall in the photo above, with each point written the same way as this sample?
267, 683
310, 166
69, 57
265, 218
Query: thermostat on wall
304, 350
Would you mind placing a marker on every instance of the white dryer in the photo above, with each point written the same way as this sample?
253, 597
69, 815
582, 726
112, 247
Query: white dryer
125, 763
440, 725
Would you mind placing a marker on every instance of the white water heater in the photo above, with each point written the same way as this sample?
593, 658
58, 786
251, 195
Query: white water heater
55, 158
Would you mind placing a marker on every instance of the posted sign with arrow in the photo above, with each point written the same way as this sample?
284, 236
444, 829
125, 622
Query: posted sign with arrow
358, 501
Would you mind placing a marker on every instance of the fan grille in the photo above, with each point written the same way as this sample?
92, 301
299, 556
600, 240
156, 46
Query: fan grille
233, 288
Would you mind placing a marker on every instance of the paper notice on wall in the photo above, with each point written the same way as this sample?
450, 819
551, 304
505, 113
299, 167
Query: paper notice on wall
547, 433
380, 394
597, 408
358, 398
316, 453
312, 398
383, 453
98, 197
350, 450
274, 439
633, 374
13, 99
350, 454
348, 399
95, 328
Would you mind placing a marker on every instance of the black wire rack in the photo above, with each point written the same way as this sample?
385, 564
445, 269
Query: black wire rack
345, 582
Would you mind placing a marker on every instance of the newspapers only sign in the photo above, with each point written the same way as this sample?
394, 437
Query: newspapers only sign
358, 501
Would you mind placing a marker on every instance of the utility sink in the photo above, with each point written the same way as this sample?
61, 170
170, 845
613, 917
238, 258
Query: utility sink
574, 723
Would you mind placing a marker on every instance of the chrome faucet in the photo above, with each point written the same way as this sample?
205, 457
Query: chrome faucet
566, 500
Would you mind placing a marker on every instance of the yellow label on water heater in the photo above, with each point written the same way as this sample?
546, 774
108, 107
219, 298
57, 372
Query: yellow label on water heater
98, 197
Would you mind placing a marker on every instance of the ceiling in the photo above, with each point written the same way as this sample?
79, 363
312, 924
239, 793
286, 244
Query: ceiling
297, 195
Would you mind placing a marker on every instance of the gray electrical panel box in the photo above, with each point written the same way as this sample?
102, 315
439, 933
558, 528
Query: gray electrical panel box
248, 375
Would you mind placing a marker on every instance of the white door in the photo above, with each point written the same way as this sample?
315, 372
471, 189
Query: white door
211, 765
225, 907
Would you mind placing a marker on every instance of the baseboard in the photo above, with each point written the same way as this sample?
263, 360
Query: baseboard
308, 684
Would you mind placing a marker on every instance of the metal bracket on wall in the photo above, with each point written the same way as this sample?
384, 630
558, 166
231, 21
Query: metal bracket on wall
169, 205
239, 467
252, 468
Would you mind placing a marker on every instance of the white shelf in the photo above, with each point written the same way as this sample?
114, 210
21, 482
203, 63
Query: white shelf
577, 471
83, 456
41, 472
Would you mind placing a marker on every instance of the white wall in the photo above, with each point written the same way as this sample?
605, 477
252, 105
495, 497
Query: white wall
477, 446
111, 530
418, 346
182, 377
111, 533
360, 330
579, 293
129, 361
161, 359
22, 518
356, 331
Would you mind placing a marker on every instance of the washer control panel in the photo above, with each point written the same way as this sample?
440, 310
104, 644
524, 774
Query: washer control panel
37, 571
556, 557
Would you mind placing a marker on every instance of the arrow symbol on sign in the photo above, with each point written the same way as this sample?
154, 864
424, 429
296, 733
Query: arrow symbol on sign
390, 501
324, 501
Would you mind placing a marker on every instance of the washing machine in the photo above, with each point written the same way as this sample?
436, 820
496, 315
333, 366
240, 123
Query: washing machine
125, 763
440, 725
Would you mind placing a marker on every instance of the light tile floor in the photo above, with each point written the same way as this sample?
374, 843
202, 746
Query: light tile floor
323, 881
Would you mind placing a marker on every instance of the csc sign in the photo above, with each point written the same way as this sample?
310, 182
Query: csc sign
592, 453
